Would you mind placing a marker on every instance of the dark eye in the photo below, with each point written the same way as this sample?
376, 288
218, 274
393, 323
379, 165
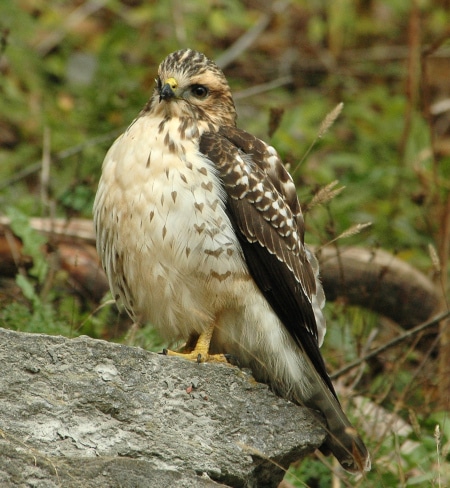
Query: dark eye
199, 91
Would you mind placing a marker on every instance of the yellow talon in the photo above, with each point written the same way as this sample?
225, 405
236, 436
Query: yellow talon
198, 357
198, 349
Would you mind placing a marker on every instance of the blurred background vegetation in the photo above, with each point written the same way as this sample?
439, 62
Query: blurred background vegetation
73, 75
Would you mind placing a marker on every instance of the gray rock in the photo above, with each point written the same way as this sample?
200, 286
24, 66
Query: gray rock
88, 413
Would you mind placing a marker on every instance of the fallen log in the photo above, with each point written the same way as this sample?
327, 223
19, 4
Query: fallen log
373, 279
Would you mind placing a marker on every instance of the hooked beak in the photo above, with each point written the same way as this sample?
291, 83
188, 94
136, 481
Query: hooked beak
168, 90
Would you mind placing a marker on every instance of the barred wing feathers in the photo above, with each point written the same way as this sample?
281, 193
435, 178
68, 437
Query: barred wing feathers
264, 210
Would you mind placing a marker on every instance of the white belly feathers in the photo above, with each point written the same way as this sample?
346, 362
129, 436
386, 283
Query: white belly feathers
176, 260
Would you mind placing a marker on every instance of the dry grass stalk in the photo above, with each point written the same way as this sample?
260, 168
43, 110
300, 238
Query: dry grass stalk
351, 231
325, 194
434, 258
437, 436
327, 122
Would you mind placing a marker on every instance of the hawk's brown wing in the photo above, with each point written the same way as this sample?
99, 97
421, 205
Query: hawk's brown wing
268, 223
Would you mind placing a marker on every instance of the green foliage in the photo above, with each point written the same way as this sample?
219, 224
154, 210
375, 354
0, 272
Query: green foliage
38, 317
418, 460
32, 242
309, 473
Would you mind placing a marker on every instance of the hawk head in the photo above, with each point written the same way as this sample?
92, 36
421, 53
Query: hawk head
191, 85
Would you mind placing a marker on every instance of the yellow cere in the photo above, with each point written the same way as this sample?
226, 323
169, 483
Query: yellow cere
172, 82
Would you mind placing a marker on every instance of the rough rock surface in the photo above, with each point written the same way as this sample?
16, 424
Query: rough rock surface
88, 413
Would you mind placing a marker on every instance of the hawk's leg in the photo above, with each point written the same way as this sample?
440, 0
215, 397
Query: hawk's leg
197, 349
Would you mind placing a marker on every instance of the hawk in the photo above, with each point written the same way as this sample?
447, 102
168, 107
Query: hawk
200, 232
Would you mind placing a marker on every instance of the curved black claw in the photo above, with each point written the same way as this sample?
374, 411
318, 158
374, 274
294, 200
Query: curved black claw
233, 360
